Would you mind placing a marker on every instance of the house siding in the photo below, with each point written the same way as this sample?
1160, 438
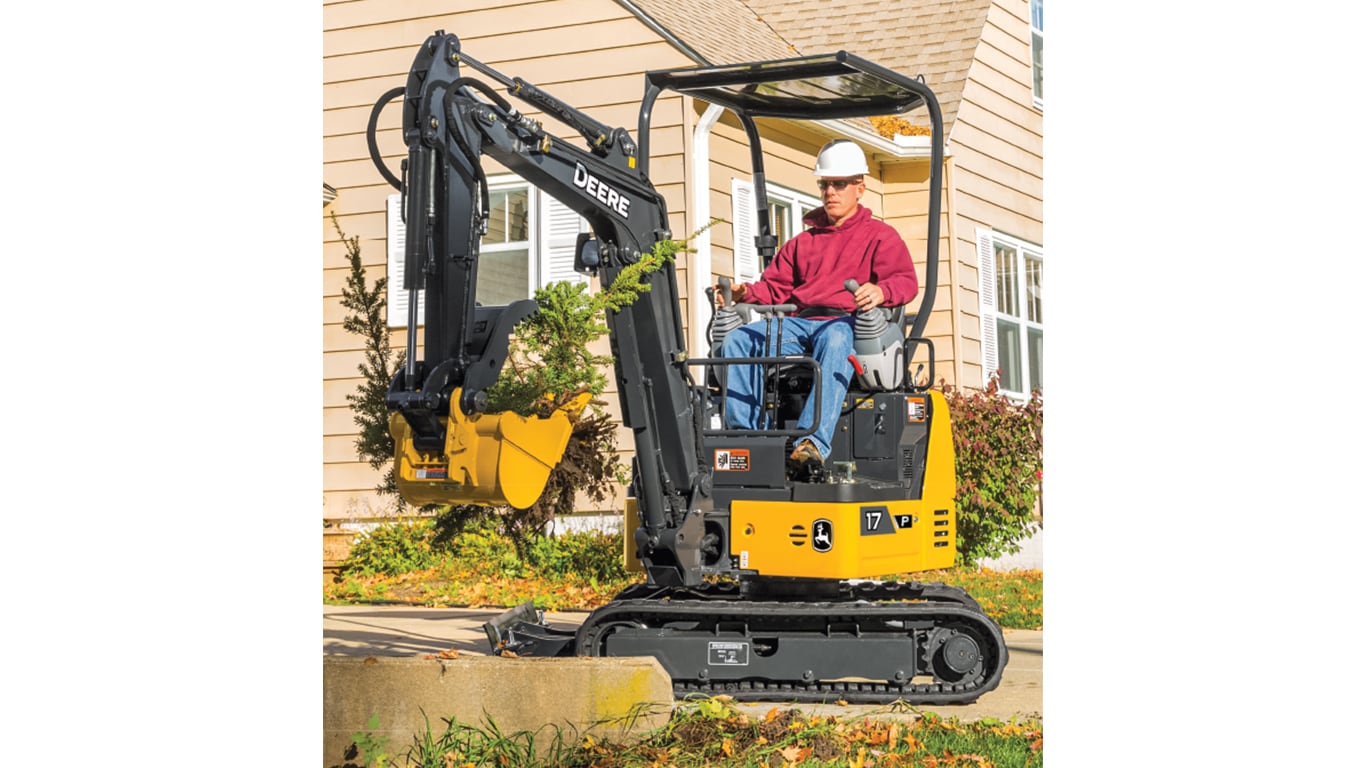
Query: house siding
590, 53
997, 162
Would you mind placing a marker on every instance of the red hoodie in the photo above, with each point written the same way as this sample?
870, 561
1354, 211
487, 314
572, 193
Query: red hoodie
810, 269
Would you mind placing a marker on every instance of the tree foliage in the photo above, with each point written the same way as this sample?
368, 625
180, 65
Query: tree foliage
367, 318
999, 463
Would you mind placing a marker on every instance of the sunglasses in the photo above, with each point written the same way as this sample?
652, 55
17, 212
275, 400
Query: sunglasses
838, 184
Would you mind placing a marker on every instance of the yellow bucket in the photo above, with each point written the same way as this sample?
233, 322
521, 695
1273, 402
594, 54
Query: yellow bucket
489, 458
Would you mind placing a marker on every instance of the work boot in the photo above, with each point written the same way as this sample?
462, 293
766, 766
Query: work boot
805, 450
804, 464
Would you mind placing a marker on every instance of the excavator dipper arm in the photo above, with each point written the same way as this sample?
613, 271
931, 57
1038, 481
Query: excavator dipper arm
450, 122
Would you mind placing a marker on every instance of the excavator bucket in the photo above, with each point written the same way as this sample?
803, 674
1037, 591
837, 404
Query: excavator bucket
489, 458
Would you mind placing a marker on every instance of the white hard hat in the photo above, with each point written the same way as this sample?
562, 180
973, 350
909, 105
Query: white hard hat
841, 157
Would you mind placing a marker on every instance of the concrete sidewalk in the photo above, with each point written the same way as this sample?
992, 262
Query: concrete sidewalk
414, 632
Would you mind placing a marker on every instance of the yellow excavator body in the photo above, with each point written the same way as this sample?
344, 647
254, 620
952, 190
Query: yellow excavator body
846, 540
855, 540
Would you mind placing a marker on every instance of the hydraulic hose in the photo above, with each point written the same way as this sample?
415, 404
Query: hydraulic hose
375, 158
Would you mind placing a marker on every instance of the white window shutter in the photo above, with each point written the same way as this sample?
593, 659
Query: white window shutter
986, 292
745, 224
560, 228
397, 298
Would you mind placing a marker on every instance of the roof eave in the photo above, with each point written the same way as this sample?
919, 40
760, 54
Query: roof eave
875, 142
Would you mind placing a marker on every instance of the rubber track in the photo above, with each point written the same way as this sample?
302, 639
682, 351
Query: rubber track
945, 605
873, 591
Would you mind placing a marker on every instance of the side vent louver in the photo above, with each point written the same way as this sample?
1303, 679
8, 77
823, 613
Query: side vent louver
941, 521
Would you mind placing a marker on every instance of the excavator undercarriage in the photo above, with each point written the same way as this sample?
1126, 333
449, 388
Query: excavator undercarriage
761, 580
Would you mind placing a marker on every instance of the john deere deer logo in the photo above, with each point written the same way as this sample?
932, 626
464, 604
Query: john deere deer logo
822, 535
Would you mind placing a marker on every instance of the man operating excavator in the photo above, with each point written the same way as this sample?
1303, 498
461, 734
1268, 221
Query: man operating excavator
842, 242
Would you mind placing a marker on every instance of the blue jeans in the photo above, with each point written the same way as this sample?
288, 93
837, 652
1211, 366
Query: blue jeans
829, 341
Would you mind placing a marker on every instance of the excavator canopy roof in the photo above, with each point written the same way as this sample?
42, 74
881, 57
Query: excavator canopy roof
826, 87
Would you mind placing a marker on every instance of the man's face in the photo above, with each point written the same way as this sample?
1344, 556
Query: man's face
840, 203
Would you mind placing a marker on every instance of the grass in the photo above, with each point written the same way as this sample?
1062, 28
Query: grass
714, 733
1013, 599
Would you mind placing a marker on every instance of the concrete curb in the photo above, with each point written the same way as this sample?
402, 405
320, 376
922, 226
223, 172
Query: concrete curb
610, 698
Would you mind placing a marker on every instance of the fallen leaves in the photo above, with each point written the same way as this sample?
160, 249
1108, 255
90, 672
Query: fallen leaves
890, 126
717, 733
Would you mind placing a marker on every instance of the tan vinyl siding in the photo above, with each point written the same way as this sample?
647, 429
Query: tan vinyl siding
907, 209
998, 158
590, 53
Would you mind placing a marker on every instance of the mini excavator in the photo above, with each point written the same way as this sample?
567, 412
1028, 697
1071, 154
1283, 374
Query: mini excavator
757, 583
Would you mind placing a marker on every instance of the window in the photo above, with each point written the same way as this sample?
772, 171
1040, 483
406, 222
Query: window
505, 252
529, 244
785, 210
1036, 48
1011, 275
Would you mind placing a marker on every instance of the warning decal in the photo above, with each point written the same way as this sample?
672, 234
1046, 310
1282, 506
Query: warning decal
731, 460
728, 654
915, 409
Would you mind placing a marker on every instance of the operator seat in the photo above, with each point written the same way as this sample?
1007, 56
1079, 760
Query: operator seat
794, 382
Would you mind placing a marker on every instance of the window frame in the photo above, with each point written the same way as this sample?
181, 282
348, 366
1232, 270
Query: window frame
991, 314
1036, 51
504, 183
798, 204
549, 245
747, 267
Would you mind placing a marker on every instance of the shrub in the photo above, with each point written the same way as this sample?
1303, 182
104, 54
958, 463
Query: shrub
474, 537
393, 549
587, 555
478, 541
999, 461
367, 318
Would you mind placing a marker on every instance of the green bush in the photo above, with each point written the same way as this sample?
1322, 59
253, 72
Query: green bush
475, 538
999, 462
398, 548
587, 555
366, 317
393, 549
